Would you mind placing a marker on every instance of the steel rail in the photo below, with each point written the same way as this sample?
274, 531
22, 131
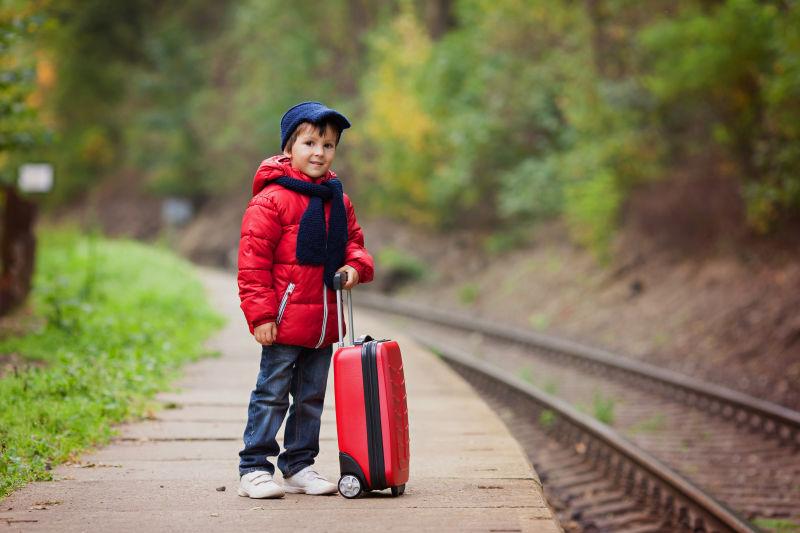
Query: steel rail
770, 418
676, 495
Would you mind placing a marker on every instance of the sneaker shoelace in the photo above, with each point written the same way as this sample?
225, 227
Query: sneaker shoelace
261, 479
313, 474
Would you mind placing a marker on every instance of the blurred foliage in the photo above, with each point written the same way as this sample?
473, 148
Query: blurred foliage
467, 113
92, 46
742, 60
402, 134
502, 121
20, 127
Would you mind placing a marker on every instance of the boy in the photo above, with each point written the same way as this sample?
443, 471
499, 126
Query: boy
298, 230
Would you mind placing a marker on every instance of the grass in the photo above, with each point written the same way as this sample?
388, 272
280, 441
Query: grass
506, 241
603, 408
547, 418
540, 321
468, 293
551, 387
526, 374
652, 424
400, 265
776, 524
120, 318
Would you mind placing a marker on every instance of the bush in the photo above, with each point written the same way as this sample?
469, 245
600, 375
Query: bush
532, 189
398, 267
591, 211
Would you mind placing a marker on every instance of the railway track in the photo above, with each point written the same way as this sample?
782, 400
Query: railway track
743, 451
596, 480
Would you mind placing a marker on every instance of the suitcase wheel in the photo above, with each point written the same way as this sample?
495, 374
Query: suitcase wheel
350, 486
398, 490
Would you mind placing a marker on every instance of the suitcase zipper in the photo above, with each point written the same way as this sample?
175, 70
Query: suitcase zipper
324, 314
369, 369
284, 301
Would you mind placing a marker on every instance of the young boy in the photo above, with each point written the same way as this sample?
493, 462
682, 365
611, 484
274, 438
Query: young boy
298, 230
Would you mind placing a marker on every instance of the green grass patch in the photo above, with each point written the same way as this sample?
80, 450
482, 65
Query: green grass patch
506, 241
525, 374
468, 293
776, 524
603, 408
400, 266
120, 320
540, 321
652, 424
547, 418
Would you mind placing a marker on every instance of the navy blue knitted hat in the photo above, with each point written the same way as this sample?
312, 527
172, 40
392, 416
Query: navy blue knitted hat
314, 112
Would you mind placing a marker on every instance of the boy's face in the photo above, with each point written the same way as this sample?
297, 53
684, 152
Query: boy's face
312, 153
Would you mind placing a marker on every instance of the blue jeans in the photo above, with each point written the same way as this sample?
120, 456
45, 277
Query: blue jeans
303, 373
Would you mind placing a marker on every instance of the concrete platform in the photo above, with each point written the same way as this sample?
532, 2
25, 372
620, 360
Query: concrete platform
166, 474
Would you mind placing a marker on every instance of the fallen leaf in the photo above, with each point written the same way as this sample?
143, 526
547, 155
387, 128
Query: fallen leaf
221, 489
37, 508
580, 448
214, 514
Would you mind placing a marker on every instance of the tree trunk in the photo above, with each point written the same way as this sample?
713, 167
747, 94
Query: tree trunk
600, 45
17, 249
439, 17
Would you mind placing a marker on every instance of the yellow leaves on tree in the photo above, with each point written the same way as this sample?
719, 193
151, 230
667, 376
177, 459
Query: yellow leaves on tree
396, 122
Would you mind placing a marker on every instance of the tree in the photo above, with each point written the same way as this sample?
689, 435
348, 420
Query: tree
20, 131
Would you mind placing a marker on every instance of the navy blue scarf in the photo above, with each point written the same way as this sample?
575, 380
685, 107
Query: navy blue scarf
315, 246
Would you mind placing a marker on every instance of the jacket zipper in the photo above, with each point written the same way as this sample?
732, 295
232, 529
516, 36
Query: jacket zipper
324, 314
284, 301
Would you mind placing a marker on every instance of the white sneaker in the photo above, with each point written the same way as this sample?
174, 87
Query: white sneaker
308, 481
259, 484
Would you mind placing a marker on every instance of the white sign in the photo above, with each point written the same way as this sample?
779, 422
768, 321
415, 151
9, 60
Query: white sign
176, 211
36, 177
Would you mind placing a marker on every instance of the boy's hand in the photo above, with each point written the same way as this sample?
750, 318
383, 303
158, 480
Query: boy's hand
265, 333
352, 277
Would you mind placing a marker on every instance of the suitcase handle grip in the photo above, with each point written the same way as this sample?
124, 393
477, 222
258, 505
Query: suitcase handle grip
339, 280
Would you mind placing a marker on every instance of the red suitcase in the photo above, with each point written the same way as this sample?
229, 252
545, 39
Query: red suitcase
371, 411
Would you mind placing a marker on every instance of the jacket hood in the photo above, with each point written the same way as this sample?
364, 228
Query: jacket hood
277, 166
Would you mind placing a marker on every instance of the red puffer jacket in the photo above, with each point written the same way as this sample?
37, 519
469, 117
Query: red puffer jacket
273, 286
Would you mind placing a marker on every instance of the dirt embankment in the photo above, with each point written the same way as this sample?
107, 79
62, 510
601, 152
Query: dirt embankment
716, 317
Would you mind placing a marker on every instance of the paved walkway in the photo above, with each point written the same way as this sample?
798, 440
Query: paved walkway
178, 472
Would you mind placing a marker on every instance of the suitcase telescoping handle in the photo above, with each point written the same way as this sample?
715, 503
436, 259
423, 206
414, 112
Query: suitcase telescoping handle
339, 279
